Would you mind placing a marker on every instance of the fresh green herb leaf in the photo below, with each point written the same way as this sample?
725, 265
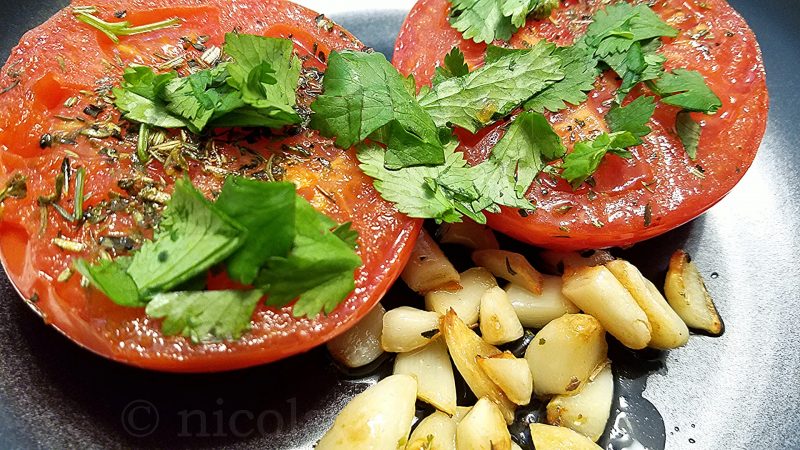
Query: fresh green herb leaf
139, 97
586, 156
257, 89
686, 89
266, 210
615, 28
515, 161
112, 279
267, 73
454, 66
365, 97
632, 117
192, 236
639, 63
474, 100
489, 20
205, 316
318, 272
689, 132
115, 29
580, 72
443, 192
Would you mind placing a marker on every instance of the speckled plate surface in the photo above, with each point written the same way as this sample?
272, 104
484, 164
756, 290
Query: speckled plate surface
737, 391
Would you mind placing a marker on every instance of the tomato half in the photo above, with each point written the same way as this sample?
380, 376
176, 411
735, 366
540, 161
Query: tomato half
64, 66
660, 188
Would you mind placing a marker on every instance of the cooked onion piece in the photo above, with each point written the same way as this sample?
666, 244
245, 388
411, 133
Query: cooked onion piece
361, 344
565, 353
536, 311
596, 291
483, 428
510, 266
511, 374
498, 320
668, 330
556, 262
431, 366
687, 294
465, 347
548, 437
435, 432
469, 234
428, 268
406, 328
587, 411
465, 301
379, 417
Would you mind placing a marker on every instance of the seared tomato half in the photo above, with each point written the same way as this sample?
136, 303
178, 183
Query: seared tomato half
660, 188
55, 116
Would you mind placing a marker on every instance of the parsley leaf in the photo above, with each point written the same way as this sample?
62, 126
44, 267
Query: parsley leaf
640, 62
205, 316
266, 210
689, 132
454, 66
489, 20
200, 97
686, 89
112, 279
192, 236
139, 97
580, 71
633, 117
365, 97
474, 100
515, 161
318, 272
586, 156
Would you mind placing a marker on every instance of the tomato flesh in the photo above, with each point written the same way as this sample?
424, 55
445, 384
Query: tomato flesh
660, 188
63, 57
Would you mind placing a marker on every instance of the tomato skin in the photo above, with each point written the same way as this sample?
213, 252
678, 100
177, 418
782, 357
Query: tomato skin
58, 59
660, 188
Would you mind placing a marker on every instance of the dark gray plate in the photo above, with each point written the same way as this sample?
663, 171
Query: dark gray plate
737, 391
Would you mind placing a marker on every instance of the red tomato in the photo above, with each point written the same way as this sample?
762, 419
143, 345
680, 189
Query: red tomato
660, 188
62, 58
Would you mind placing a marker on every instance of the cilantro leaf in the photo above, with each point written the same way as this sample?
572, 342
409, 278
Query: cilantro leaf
686, 89
267, 73
205, 316
632, 117
192, 236
454, 66
489, 20
615, 28
139, 97
515, 161
365, 97
443, 192
112, 279
586, 156
318, 272
476, 99
639, 63
257, 89
580, 72
266, 210
689, 132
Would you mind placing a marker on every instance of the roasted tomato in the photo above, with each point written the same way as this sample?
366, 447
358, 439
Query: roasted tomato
660, 188
55, 117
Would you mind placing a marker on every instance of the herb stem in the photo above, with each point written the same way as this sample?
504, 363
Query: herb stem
79, 183
142, 143
115, 29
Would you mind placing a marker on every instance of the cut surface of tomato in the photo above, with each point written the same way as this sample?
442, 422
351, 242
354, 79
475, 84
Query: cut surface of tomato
64, 66
660, 188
